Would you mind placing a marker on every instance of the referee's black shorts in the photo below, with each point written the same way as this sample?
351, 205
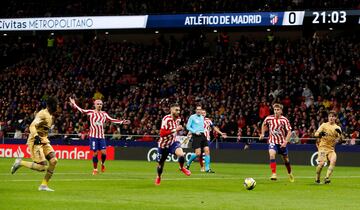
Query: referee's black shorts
199, 141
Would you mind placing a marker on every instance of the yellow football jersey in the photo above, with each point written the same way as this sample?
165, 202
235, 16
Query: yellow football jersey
329, 140
41, 126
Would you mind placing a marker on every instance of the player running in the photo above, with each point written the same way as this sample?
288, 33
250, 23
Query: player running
279, 136
209, 126
39, 145
329, 134
167, 144
97, 137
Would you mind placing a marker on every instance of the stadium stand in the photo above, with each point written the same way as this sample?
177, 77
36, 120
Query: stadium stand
238, 81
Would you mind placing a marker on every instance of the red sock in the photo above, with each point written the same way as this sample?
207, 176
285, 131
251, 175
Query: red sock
273, 166
201, 161
95, 165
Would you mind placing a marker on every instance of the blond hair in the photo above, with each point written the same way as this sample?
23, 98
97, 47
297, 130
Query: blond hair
277, 105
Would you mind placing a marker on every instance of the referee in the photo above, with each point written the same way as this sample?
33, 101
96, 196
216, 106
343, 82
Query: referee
196, 126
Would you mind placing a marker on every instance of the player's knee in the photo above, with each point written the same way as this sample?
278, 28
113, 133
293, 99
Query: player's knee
53, 161
43, 163
333, 162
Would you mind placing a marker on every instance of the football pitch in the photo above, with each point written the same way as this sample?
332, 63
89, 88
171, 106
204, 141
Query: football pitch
130, 185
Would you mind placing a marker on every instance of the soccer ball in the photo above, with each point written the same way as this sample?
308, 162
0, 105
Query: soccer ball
249, 183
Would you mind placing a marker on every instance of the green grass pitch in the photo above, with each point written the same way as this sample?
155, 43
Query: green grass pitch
130, 185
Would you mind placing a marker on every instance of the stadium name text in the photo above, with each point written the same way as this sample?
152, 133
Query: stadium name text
222, 20
57, 23
73, 23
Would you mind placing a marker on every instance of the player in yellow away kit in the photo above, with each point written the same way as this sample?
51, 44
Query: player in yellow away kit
39, 145
329, 134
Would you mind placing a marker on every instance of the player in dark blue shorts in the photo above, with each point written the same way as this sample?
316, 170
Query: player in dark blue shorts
168, 144
279, 150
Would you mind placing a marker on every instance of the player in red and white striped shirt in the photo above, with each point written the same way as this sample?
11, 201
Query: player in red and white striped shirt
168, 144
97, 138
279, 135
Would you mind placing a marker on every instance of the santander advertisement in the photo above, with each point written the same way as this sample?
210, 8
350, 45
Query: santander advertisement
61, 151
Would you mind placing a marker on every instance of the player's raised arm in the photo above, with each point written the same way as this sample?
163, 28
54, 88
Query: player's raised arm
73, 104
108, 118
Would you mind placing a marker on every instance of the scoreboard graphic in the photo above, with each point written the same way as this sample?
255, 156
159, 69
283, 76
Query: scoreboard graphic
209, 20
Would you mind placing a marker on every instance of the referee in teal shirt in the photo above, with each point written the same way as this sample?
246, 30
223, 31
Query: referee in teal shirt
196, 125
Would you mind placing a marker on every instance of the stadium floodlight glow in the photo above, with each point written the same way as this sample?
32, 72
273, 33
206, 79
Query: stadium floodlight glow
156, 32
268, 29
106, 33
215, 31
331, 29
5, 34
52, 34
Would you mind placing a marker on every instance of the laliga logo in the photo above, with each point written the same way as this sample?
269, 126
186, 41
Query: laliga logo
152, 154
314, 161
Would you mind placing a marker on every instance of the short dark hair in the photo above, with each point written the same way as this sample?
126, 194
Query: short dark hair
51, 104
332, 112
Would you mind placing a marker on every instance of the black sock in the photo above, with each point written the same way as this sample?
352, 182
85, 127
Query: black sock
181, 161
288, 167
103, 158
159, 170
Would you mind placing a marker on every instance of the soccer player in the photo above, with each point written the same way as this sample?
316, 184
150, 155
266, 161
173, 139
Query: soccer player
279, 135
97, 137
39, 145
167, 144
196, 125
209, 126
329, 134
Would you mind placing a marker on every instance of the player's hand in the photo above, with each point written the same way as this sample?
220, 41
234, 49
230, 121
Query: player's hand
126, 122
224, 135
261, 137
37, 140
338, 131
179, 128
72, 101
284, 144
322, 133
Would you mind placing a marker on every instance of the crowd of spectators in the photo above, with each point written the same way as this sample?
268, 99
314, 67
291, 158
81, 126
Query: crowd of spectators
236, 83
53, 8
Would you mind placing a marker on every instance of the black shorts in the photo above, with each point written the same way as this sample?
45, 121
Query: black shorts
199, 141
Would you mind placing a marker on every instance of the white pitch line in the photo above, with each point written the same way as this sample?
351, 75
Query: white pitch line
172, 179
